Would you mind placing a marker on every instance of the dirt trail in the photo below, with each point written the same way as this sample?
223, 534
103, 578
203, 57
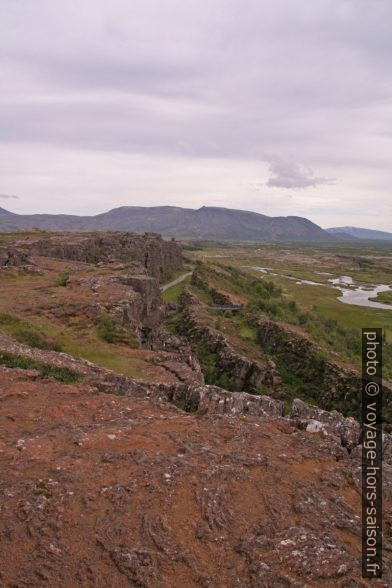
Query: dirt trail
175, 282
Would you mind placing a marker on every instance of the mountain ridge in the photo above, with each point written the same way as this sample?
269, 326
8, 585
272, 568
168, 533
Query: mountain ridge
360, 233
207, 222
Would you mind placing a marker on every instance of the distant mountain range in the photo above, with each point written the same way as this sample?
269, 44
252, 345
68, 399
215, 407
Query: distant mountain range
205, 223
358, 233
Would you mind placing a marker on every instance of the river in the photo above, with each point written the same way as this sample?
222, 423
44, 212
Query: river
355, 293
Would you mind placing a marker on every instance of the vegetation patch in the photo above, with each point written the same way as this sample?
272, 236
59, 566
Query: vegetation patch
172, 294
383, 297
336, 327
61, 374
172, 322
27, 333
63, 279
213, 375
110, 332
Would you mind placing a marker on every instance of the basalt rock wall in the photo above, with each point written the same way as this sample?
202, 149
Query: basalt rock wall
332, 385
244, 373
160, 258
12, 257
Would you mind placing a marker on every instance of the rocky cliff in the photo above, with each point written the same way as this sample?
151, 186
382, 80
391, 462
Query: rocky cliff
12, 257
239, 372
333, 385
159, 257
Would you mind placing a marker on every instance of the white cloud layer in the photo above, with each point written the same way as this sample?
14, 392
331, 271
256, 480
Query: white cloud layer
171, 102
287, 174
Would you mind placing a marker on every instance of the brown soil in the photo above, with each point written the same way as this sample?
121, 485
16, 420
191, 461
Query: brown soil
101, 490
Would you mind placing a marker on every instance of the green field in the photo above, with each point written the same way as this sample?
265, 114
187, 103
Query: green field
336, 326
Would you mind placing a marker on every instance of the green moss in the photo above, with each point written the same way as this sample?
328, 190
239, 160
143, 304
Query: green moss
248, 332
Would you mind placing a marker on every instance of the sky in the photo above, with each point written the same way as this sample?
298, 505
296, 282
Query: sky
283, 107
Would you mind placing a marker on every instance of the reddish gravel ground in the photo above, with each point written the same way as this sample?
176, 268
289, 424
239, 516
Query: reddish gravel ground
99, 490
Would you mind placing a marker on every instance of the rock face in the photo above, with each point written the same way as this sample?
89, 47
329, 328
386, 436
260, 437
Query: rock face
213, 400
160, 258
12, 257
316, 420
331, 384
150, 294
134, 302
244, 373
218, 296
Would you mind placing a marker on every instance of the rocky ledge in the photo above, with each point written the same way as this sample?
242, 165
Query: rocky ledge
245, 373
159, 257
331, 383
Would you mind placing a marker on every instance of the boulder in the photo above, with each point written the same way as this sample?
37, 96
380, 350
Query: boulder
317, 420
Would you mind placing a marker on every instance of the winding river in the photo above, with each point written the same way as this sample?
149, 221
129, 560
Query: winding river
351, 292
359, 294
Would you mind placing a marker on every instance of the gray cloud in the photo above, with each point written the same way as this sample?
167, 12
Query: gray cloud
9, 197
287, 174
153, 79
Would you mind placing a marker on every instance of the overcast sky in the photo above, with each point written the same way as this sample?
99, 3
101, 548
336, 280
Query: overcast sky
280, 107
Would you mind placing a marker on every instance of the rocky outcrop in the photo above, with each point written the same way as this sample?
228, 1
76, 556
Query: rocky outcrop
213, 400
150, 294
192, 395
242, 373
316, 420
331, 385
134, 302
217, 296
13, 257
160, 258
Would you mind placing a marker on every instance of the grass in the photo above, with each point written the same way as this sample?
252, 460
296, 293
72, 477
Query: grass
297, 385
83, 344
172, 322
25, 332
212, 373
115, 357
61, 374
110, 332
247, 332
385, 297
315, 309
173, 293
